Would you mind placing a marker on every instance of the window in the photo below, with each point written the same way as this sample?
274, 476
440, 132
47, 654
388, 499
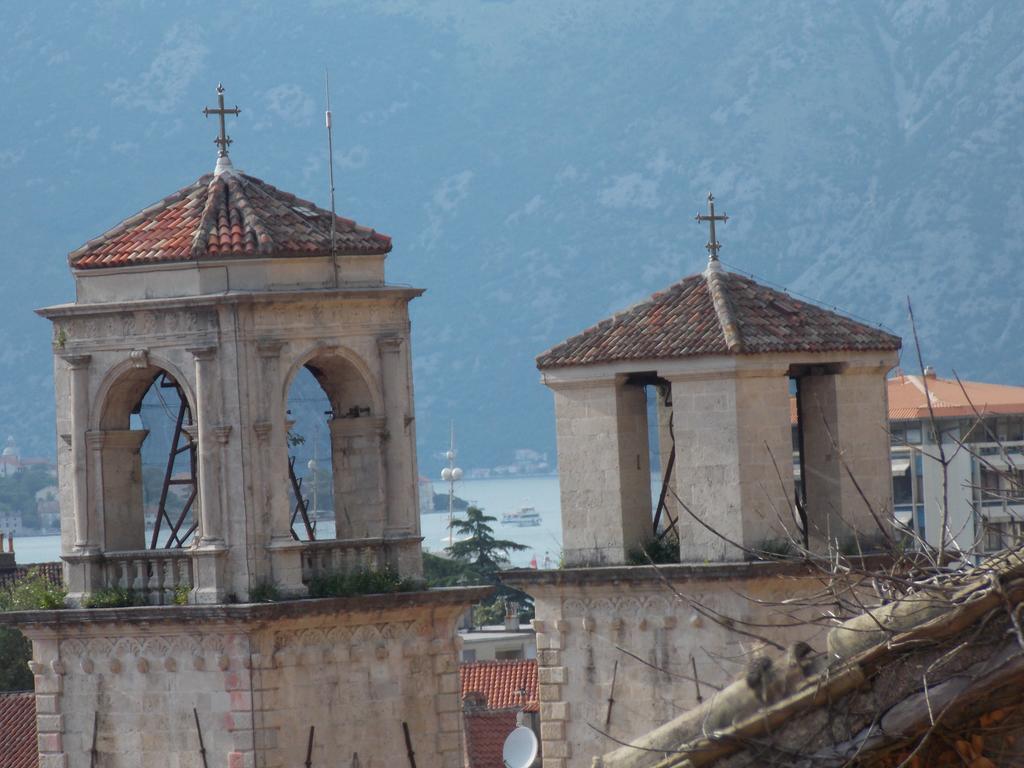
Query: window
468, 654
902, 489
1002, 534
907, 434
513, 655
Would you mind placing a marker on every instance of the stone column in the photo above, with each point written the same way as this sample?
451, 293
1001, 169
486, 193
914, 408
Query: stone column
604, 465
357, 463
83, 569
401, 507
213, 527
119, 502
207, 402
846, 458
271, 461
209, 550
733, 468
85, 529
272, 444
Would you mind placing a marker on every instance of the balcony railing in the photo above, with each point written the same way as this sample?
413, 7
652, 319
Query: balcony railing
343, 556
331, 556
156, 573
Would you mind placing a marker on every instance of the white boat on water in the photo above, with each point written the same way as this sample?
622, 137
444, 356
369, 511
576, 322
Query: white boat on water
523, 517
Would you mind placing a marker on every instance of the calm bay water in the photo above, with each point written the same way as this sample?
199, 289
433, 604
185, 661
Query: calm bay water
496, 497
501, 495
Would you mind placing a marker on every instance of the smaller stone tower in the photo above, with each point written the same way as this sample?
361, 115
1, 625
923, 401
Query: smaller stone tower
722, 355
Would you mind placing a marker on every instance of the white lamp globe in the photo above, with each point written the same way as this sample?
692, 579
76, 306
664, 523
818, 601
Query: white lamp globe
456, 474
446, 474
449, 455
311, 465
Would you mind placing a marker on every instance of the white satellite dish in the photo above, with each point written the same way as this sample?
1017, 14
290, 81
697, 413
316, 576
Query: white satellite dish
520, 748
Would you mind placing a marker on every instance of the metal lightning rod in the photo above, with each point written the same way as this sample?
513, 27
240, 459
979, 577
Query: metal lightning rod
330, 166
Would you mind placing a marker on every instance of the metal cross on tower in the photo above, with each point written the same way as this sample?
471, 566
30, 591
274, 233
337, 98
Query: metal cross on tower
710, 217
223, 140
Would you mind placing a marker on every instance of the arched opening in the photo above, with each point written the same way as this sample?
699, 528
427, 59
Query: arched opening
335, 478
148, 457
310, 471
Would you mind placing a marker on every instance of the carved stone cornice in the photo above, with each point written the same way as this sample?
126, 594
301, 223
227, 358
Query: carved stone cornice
390, 343
262, 430
76, 362
115, 438
204, 352
222, 433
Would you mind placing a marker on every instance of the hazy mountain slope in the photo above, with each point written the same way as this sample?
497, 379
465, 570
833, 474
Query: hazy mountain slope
539, 165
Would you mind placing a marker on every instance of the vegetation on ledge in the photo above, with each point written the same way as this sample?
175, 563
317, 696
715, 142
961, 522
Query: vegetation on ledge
32, 593
361, 582
660, 551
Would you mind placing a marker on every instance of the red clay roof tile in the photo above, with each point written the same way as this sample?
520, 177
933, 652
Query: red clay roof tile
18, 747
232, 214
503, 683
486, 732
715, 313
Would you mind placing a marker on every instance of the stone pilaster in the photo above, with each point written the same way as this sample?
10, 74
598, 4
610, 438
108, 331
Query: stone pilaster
273, 516
207, 454
400, 482
117, 487
85, 530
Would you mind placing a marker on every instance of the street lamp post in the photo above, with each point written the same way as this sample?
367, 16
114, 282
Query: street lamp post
451, 475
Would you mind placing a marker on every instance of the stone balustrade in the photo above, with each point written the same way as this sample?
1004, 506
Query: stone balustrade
156, 573
343, 556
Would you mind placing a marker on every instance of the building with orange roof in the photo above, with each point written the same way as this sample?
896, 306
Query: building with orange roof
982, 431
497, 696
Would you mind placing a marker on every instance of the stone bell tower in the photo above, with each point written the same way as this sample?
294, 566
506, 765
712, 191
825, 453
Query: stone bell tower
211, 302
707, 369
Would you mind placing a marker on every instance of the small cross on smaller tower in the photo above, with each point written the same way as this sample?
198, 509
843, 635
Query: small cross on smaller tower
223, 140
710, 217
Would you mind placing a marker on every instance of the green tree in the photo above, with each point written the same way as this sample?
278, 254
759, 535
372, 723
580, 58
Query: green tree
479, 547
483, 556
447, 572
15, 653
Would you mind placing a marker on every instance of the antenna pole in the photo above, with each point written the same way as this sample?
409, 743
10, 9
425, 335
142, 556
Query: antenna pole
330, 166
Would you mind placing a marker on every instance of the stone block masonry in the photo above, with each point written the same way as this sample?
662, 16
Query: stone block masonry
258, 676
590, 619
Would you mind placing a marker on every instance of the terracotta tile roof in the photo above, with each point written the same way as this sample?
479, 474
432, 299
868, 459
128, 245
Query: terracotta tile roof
486, 732
18, 748
501, 682
716, 313
228, 215
907, 399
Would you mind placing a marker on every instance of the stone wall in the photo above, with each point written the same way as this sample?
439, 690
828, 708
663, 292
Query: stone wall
585, 616
258, 677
